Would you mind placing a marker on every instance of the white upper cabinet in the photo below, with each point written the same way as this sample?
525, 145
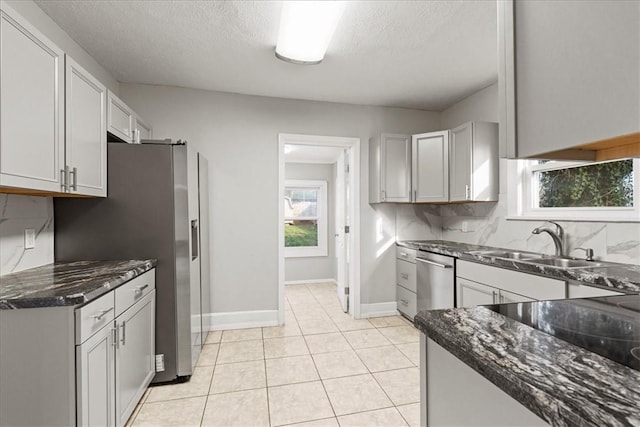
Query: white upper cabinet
390, 168
568, 76
473, 163
31, 106
120, 119
430, 167
86, 134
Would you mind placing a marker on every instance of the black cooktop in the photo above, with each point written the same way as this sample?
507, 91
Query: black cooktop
608, 326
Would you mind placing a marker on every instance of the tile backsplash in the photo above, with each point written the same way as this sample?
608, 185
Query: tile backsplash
486, 224
18, 213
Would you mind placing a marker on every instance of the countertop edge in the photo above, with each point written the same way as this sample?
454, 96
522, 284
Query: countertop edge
79, 299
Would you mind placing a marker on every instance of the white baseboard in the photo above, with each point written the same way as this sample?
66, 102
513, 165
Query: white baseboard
305, 282
380, 309
240, 320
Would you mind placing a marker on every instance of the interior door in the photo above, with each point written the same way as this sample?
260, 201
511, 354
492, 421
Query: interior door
341, 237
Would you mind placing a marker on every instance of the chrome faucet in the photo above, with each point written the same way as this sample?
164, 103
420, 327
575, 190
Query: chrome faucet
557, 236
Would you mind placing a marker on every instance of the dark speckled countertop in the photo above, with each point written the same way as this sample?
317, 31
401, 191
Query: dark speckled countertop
620, 277
67, 283
563, 383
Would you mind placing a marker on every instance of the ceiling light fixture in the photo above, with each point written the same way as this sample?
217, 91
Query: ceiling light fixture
306, 28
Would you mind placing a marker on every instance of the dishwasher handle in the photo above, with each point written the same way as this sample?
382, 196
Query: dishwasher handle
437, 264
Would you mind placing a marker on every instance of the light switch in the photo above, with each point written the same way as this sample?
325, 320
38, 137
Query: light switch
29, 238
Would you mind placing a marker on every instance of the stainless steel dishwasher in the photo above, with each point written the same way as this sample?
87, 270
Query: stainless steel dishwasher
435, 281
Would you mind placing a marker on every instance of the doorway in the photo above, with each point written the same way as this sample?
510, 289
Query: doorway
344, 154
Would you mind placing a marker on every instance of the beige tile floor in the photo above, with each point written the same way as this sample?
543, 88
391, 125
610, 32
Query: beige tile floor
322, 368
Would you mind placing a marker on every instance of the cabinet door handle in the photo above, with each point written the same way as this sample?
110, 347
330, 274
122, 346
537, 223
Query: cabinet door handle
467, 192
63, 179
103, 312
114, 337
124, 330
139, 289
437, 264
74, 182
405, 276
383, 195
494, 293
415, 195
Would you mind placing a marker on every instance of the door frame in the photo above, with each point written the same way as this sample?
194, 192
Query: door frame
353, 145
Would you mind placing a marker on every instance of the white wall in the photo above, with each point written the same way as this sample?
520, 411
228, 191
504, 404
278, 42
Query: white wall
20, 212
239, 136
314, 268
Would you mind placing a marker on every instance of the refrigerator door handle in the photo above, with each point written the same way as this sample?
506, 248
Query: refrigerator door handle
195, 244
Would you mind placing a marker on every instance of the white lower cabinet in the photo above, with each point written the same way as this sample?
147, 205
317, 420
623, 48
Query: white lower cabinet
481, 284
406, 282
115, 365
95, 379
135, 359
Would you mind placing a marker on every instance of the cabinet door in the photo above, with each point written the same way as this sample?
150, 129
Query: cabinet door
31, 106
395, 152
506, 297
120, 118
143, 130
135, 355
470, 294
567, 92
95, 380
430, 167
460, 163
86, 137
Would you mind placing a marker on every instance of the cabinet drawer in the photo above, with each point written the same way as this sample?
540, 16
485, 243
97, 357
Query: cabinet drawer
407, 302
406, 275
93, 316
530, 285
406, 254
132, 291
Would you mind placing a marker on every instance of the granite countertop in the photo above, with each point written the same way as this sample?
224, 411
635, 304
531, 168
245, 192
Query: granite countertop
562, 383
67, 283
621, 277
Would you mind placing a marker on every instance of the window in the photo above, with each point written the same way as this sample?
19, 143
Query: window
581, 191
305, 218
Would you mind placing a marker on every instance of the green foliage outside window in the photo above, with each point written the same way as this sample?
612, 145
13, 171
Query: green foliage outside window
301, 234
600, 185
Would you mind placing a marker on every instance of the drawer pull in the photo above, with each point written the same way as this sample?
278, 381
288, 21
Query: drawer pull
122, 340
404, 254
404, 302
102, 313
405, 276
139, 289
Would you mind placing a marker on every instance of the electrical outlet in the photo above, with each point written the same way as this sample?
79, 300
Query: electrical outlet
29, 238
465, 226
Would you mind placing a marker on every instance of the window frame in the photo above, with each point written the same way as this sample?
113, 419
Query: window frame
321, 217
521, 197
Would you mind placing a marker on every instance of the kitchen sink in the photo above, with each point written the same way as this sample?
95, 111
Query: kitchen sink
566, 262
509, 254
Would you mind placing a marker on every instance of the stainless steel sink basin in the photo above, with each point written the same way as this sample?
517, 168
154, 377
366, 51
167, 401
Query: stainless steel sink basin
566, 262
509, 254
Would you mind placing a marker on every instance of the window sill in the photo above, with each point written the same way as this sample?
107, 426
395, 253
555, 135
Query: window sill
548, 217
304, 252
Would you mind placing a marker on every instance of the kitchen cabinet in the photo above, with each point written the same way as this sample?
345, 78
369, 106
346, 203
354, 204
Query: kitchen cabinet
580, 290
473, 163
31, 106
390, 168
470, 294
86, 134
430, 167
98, 362
142, 129
568, 79
52, 116
120, 119
479, 284
406, 281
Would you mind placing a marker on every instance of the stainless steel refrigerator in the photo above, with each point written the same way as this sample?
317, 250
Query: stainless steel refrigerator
144, 216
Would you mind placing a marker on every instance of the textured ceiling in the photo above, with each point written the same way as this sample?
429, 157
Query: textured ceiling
415, 54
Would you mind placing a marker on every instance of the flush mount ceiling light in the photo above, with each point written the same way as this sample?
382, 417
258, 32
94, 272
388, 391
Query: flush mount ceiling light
306, 28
